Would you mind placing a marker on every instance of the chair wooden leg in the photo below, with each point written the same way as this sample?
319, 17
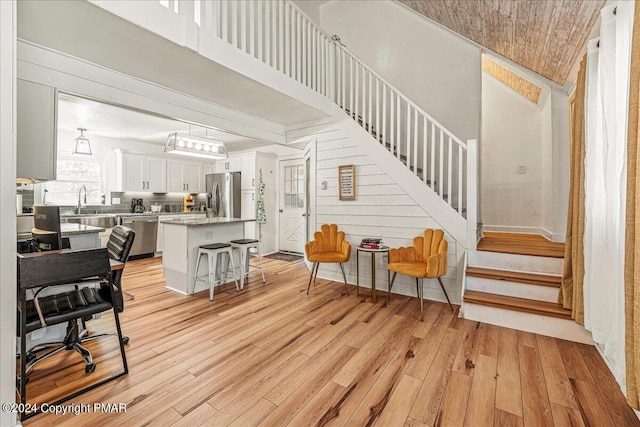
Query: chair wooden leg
445, 293
393, 279
344, 276
314, 266
420, 292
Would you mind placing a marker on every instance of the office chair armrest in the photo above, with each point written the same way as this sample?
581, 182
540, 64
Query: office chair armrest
36, 304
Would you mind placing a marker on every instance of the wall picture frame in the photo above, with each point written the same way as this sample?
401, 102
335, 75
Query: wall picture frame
347, 182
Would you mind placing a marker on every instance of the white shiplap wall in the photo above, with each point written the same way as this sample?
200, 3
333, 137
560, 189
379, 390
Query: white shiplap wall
382, 209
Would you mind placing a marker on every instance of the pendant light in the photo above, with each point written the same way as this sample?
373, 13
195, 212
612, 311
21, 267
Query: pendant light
190, 145
82, 144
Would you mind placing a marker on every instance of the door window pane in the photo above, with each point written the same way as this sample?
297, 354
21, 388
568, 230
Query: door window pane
294, 186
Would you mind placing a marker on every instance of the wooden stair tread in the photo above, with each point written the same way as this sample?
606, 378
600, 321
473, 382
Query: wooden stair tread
520, 244
515, 276
519, 304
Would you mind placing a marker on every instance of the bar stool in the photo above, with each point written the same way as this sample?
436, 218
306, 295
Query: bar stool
244, 246
213, 251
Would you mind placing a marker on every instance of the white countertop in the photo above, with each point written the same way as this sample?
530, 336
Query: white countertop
69, 229
207, 221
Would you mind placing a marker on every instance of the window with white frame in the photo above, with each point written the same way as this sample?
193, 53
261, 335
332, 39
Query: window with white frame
294, 186
72, 174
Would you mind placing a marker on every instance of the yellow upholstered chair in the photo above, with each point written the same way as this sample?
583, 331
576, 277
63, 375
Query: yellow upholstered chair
427, 258
328, 246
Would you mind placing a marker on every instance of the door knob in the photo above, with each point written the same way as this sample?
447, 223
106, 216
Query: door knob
281, 211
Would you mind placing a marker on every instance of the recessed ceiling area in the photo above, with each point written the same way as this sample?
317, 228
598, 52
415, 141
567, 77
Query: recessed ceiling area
116, 122
544, 36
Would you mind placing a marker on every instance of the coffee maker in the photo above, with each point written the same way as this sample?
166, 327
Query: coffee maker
137, 206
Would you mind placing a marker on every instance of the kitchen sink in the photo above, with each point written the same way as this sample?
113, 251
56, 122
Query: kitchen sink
96, 220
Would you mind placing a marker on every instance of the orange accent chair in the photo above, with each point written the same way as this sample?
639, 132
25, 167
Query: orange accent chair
427, 258
328, 246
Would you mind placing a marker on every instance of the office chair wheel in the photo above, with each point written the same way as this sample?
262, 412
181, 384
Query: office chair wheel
90, 368
125, 340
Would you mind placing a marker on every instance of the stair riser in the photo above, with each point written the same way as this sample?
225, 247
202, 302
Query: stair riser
528, 322
513, 289
523, 263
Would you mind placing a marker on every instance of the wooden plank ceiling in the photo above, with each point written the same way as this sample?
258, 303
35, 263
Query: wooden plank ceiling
545, 36
522, 86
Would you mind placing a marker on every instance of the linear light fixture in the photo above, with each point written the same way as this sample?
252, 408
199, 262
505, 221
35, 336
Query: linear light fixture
82, 144
189, 145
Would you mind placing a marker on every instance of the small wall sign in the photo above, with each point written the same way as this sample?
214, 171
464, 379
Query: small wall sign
347, 182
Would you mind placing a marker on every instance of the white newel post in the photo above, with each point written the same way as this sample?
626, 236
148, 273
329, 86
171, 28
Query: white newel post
472, 193
210, 16
7, 208
189, 26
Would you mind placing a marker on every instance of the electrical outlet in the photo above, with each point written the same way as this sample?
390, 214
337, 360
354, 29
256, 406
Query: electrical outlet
522, 170
115, 201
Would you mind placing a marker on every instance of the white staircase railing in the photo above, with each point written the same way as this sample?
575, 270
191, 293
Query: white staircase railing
280, 35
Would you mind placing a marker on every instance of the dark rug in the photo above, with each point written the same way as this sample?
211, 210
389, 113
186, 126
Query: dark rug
284, 256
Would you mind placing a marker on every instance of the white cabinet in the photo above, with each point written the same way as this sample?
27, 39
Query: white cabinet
141, 173
184, 177
232, 164
36, 131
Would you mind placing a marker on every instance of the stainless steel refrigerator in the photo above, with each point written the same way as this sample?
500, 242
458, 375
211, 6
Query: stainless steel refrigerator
223, 194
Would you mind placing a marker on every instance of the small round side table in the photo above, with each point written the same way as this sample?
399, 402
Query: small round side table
373, 252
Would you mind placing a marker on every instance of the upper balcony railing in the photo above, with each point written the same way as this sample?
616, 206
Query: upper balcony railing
280, 35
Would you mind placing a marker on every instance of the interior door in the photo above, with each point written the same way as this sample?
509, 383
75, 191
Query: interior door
293, 212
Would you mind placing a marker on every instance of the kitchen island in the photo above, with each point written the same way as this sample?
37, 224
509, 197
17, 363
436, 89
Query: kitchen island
182, 237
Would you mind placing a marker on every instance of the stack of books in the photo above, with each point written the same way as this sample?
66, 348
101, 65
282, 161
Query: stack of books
371, 243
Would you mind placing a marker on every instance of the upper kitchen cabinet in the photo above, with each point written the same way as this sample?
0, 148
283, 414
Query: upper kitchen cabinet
141, 173
36, 147
232, 164
184, 177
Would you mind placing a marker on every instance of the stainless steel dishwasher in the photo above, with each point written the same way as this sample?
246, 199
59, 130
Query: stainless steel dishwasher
146, 228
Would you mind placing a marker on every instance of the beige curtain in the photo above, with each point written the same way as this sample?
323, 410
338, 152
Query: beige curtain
632, 241
571, 296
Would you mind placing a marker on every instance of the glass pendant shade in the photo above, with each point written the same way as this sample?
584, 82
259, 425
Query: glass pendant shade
82, 145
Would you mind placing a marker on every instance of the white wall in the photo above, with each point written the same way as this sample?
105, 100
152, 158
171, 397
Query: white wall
381, 209
511, 137
435, 69
7, 209
311, 8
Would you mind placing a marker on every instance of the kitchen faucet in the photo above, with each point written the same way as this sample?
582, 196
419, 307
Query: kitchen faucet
79, 199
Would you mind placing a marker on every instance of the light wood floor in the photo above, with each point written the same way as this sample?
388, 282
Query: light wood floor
523, 244
271, 355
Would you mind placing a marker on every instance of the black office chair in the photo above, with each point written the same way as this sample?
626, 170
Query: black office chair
118, 247
37, 272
